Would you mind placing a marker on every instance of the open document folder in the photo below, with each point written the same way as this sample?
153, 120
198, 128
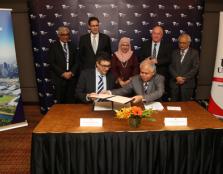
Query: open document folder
113, 98
108, 105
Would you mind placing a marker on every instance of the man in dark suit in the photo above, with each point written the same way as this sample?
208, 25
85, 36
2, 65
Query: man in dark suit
63, 66
159, 52
183, 70
95, 80
147, 86
93, 43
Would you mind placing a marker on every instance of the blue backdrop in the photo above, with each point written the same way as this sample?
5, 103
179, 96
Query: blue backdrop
131, 18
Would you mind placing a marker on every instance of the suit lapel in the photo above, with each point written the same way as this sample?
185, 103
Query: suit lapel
99, 42
89, 43
159, 51
60, 48
186, 57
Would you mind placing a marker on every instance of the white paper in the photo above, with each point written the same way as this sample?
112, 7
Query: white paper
91, 122
154, 106
120, 99
101, 96
175, 121
102, 106
174, 108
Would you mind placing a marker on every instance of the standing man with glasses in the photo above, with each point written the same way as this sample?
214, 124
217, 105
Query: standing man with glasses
159, 53
183, 69
63, 66
95, 80
92, 43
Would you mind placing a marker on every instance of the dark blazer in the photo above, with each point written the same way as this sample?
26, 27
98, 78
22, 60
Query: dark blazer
188, 68
155, 89
163, 57
57, 59
86, 54
87, 83
57, 62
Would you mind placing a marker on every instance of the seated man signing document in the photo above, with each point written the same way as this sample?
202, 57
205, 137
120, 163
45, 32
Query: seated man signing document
147, 86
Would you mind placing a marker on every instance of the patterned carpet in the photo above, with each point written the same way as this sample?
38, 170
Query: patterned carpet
15, 145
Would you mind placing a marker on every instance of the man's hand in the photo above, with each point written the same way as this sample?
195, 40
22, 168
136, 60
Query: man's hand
137, 98
67, 75
151, 60
89, 96
180, 80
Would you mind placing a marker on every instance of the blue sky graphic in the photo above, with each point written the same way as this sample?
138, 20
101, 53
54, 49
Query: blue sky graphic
7, 48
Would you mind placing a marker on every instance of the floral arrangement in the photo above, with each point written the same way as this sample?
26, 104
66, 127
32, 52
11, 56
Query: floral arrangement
135, 114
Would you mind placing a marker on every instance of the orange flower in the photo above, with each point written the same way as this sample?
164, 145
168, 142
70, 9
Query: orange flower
137, 111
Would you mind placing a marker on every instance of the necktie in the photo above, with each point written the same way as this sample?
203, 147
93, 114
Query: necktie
146, 84
65, 49
94, 44
181, 56
66, 55
100, 84
154, 50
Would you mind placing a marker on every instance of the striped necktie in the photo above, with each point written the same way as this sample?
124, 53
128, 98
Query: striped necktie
154, 50
65, 50
100, 84
145, 85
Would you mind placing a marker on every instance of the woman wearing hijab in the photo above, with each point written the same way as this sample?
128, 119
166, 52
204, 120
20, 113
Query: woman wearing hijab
124, 62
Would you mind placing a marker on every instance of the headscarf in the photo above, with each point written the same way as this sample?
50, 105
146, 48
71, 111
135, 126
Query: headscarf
123, 57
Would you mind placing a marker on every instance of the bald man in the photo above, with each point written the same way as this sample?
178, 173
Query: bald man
160, 52
183, 70
63, 66
146, 86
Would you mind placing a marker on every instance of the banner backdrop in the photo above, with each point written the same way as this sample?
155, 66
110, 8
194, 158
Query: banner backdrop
132, 18
11, 109
216, 99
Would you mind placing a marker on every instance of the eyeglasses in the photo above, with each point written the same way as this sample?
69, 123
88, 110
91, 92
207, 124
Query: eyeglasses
64, 34
105, 66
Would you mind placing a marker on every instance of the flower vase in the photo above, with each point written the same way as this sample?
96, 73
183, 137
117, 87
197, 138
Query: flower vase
134, 122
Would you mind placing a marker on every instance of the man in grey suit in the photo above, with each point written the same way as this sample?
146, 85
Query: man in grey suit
146, 86
183, 70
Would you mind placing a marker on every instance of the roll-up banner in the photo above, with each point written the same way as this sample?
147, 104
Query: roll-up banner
11, 109
216, 99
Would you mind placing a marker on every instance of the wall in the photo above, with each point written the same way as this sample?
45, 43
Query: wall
23, 48
25, 58
209, 47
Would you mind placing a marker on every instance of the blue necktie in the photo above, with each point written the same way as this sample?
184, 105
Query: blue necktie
100, 84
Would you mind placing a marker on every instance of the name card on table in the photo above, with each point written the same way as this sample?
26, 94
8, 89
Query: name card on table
173, 108
91, 122
175, 121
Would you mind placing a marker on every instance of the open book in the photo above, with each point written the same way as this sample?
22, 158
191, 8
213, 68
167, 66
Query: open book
113, 98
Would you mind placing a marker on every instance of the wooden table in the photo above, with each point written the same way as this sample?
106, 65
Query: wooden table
66, 118
60, 145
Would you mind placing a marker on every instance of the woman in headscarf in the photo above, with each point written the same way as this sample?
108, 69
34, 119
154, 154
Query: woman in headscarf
124, 62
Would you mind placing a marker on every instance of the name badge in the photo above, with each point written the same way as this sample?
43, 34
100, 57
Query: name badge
91, 122
175, 121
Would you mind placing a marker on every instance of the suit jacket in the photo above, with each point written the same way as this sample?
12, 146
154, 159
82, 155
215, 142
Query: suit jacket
87, 83
57, 61
86, 54
155, 89
163, 56
188, 68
